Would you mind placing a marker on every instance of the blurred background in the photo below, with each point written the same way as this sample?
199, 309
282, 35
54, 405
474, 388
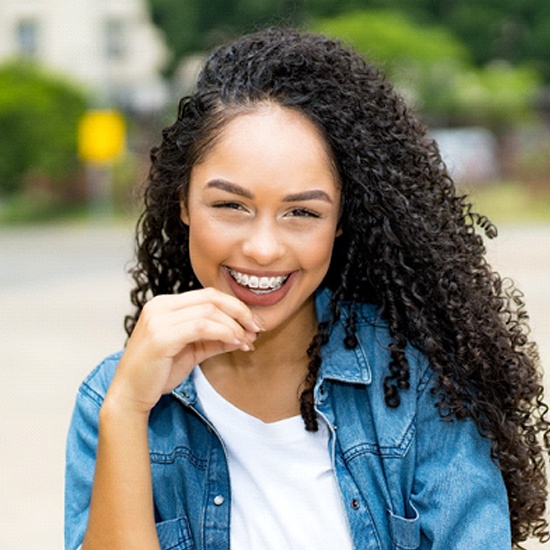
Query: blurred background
85, 88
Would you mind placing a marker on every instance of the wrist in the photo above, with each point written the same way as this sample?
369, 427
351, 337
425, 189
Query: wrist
118, 406
125, 396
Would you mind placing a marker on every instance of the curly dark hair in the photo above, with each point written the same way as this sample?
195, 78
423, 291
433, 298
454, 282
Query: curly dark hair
409, 244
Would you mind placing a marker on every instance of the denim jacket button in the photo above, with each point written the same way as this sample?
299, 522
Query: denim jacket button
219, 500
355, 504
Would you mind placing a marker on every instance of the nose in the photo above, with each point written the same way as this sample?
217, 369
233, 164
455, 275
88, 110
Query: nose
264, 242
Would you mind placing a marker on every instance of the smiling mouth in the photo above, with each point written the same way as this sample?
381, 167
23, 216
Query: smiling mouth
258, 285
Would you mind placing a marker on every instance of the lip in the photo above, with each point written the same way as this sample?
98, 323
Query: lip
260, 300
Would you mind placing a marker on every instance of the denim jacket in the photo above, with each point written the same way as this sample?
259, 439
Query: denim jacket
408, 479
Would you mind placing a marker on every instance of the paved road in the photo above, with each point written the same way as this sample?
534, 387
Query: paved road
63, 294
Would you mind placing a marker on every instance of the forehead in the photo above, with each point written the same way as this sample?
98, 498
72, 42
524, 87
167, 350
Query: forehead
271, 139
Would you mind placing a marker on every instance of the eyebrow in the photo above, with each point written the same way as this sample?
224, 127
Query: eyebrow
230, 188
314, 194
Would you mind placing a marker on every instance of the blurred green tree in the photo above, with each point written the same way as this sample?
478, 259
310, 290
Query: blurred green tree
517, 31
39, 115
392, 39
433, 69
195, 25
496, 96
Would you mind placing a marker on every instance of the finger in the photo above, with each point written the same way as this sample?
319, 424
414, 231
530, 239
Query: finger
168, 333
227, 303
199, 316
236, 309
214, 328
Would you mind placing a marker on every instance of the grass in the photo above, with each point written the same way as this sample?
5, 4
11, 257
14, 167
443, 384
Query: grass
25, 209
511, 202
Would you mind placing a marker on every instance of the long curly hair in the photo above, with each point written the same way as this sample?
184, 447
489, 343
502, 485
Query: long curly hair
409, 244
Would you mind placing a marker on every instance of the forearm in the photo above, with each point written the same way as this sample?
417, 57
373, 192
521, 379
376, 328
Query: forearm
121, 509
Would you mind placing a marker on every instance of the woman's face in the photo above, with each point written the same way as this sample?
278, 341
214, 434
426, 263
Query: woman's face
262, 210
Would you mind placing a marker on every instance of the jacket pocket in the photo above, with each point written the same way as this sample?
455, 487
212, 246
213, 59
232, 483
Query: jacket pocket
174, 534
405, 532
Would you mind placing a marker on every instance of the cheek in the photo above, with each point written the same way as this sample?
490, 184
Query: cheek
204, 231
318, 252
201, 245
203, 242
209, 246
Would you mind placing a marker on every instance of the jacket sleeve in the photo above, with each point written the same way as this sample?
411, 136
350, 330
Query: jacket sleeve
80, 465
458, 490
81, 450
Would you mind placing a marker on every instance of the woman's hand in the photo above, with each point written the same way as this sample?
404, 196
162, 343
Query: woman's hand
173, 334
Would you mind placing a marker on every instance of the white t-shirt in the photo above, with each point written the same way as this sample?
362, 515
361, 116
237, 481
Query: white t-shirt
284, 492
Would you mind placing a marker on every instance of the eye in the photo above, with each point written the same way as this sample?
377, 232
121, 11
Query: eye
229, 205
303, 213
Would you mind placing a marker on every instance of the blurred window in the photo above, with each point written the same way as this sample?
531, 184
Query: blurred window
27, 37
115, 39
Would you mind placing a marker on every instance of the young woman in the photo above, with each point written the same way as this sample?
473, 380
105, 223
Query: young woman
320, 357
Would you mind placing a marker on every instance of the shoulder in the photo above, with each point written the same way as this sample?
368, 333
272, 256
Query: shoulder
95, 385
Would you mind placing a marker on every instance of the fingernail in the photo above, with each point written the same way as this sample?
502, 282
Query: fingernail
247, 347
259, 323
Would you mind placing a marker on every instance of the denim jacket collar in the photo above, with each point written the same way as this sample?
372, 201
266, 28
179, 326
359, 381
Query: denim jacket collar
340, 363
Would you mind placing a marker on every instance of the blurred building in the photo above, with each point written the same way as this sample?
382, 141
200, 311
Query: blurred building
110, 46
471, 154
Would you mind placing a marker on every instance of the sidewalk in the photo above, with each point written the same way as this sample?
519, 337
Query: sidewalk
63, 295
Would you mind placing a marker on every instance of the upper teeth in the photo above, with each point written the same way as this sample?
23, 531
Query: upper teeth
261, 283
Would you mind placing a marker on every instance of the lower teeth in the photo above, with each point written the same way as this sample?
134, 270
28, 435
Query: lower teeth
257, 291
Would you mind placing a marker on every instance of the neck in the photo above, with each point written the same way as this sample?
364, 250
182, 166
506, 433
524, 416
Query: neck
266, 382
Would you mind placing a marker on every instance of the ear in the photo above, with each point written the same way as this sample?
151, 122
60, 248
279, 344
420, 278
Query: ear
339, 232
184, 212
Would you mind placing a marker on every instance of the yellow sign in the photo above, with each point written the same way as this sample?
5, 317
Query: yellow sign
101, 136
